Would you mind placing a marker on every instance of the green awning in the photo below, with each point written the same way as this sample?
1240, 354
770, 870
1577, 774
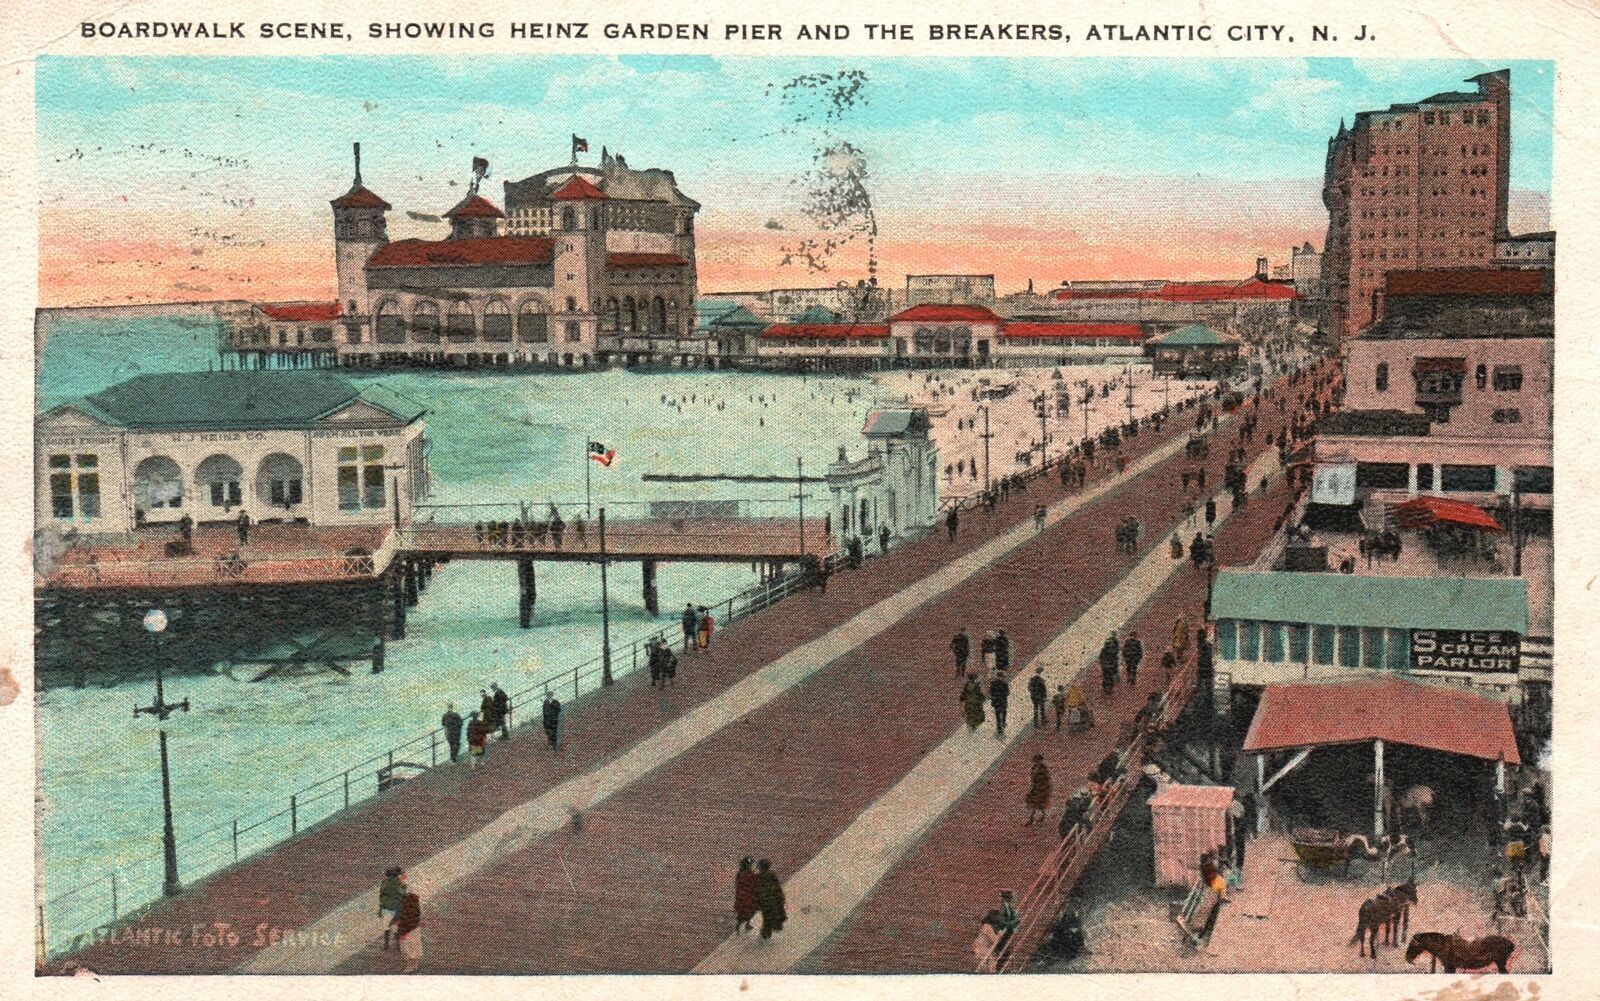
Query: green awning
1332, 599
1195, 335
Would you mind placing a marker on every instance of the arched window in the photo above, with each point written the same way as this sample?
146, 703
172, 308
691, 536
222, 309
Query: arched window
533, 327
391, 325
218, 478
157, 483
613, 315
574, 333
569, 219
632, 310
461, 327
279, 481
497, 321
425, 322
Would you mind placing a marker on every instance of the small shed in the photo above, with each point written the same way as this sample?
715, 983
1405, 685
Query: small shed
1186, 821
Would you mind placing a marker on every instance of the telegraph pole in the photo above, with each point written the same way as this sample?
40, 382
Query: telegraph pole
155, 624
985, 436
1128, 374
1088, 405
800, 496
605, 608
1044, 451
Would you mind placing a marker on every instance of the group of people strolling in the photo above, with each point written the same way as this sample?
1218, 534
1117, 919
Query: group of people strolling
493, 714
522, 532
757, 890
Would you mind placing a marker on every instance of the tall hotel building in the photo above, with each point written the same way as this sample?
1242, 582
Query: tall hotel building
1415, 186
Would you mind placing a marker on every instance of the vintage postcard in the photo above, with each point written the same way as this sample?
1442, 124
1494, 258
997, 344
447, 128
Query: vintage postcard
609, 491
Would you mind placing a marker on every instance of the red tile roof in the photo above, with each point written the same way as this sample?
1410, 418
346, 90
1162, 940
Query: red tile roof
827, 331
577, 189
475, 207
513, 250
300, 311
943, 312
1468, 281
1064, 294
640, 260
1398, 712
1125, 331
359, 197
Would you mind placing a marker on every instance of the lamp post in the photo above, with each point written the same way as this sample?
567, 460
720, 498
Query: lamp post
800, 496
985, 436
605, 609
397, 467
155, 624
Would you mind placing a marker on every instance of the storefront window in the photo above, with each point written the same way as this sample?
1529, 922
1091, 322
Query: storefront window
1479, 479
1349, 646
1273, 633
349, 479
1322, 644
1249, 640
1399, 658
1372, 653
1297, 644
372, 481
1228, 639
75, 486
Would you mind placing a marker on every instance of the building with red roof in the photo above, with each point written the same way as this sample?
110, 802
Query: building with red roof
582, 265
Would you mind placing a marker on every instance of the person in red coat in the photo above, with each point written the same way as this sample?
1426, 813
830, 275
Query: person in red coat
744, 895
408, 925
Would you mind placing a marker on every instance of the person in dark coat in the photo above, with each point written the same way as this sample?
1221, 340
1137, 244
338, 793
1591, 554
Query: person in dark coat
769, 899
883, 540
552, 719
486, 710
1211, 511
653, 661
1038, 694
961, 649
972, 702
391, 895
691, 625
999, 696
1132, 654
951, 521
244, 528
669, 666
451, 721
407, 926
1110, 651
1059, 702
744, 895
502, 710
477, 739
1038, 798
1002, 650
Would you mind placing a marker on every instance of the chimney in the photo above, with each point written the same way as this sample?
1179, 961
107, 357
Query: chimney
358, 164
1261, 268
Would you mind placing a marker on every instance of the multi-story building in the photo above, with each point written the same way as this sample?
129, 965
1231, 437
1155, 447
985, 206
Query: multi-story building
957, 289
1451, 393
1417, 185
591, 265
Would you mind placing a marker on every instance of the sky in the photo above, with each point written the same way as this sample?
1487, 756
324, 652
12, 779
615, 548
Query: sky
174, 179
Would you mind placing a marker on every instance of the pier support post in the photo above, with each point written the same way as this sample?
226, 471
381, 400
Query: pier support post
527, 593
398, 629
412, 583
652, 597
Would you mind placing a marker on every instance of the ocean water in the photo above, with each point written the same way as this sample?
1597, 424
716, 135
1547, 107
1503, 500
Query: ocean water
495, 438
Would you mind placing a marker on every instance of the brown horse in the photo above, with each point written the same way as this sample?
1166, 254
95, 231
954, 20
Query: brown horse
1456, 953
1387, 911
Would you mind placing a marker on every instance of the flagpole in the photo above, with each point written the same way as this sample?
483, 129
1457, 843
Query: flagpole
588, 450
605, 609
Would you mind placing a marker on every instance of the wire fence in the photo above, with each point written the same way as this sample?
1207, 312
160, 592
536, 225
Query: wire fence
92, 910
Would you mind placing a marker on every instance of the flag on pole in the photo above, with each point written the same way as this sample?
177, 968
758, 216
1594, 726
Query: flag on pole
601, 454
579, 145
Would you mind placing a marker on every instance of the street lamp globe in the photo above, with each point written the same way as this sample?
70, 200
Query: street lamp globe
155, 621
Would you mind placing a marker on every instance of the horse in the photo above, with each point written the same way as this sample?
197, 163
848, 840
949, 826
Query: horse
1457, 953
1418, 800
1387, 911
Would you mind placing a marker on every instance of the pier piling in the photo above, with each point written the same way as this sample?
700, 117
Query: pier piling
652, 597
527, 593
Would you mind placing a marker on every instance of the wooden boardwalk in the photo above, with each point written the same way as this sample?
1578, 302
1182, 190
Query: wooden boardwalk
641, 881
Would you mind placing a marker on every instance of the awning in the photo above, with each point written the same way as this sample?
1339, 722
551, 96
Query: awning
1335, 599
1432, 717
1425, 511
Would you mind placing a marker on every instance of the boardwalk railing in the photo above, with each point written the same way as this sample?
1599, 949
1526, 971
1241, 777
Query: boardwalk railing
87, 911
1037, 908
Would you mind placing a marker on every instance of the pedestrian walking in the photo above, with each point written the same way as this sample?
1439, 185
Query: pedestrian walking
1211, 512
244, 527
408, 926
1002, 651
1037, 799
477, 738
552, 720
971, 700
961, 649
707, 626
691, 625
1132, 654
1180, 636
999, 698
486, 710
391, 894
744, 895
1038, 693
951, 522
669, 666
502, 710
1110, 652
769, 900
653, 661
1238, 831
451, 721
883, 540
1058, 701
1038, 518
